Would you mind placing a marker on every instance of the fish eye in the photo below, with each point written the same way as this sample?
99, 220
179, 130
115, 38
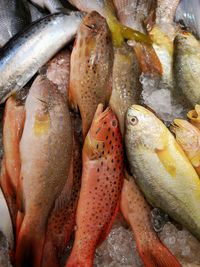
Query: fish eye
134, 120
114, 123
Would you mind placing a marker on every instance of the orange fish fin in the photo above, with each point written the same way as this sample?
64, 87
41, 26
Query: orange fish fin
158, 255
107, 229
148, 59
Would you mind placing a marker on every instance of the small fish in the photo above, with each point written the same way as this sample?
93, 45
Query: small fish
29, 51
52, 6
137, 213
102, 179
91, 68
161, 168
12, 132
194, 116
188, 15
45, 152
188, 137
187, 66
14, 17
126, 87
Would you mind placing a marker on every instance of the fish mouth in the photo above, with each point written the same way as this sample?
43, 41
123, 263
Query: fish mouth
194, 114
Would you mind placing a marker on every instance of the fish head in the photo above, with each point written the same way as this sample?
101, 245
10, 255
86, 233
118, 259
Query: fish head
186, 134
144, 128
187, 42
104, 128
194, 116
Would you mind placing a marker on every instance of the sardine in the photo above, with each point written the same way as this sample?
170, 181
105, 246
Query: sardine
91, 68
187, 67
33, 48
194, 116
188, 137
52, 6
137, 213
102, 179
14, 16
161, 168
45, 152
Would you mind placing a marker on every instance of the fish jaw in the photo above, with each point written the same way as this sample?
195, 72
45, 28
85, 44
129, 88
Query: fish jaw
194, 116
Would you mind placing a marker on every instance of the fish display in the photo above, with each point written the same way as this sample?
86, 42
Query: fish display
161, 168
44, 148
137, 213
41, 38
52, 6
194, 116
102, 179
91, 68
14, 17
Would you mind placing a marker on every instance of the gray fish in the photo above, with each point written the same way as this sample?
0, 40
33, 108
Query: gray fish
24, 55
14, 16
52, 5
36, 13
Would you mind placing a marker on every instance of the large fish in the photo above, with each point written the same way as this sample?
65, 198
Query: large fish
91, 68
188, 137
53, 6
102, 180
45, 151
12, 132
137, 213
126, 87
187, 66
14, 16
194, 116
33, 48
161, 168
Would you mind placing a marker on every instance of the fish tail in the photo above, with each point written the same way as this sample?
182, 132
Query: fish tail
30, 245
157, 255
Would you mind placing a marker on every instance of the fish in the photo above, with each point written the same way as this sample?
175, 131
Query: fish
126, 87
101, 184
194, 116
57, 70
30, 52
137, 213
187, 14
188, 137
186, 67
52, 6
14, 116
45, 152
61, 223
161, 169
36, 13
91, 68
14, 17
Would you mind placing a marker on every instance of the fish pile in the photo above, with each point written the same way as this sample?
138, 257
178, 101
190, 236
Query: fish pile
101, 122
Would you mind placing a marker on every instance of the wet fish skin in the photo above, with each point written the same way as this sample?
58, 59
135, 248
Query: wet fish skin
91, 68
126, 87
53, 6
194, 116
161, 168
188, 137
14, 17
45, 152
187, 66
137, 213
54, 29
102, 179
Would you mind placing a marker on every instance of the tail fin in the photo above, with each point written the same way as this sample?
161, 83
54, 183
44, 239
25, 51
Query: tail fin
158, 256
30, 245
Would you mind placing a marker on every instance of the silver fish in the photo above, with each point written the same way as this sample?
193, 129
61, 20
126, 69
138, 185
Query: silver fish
24, 55
14, 16
52, 5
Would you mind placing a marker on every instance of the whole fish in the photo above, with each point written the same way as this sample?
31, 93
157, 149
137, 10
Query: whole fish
187, 66
45, 152
102, 179
10, 172
187, 14
161, 168
52, 6
14, 16
61, 223
36, 13
137, 213
188, 137
91, 68
194, 116
126, 87
33, 48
